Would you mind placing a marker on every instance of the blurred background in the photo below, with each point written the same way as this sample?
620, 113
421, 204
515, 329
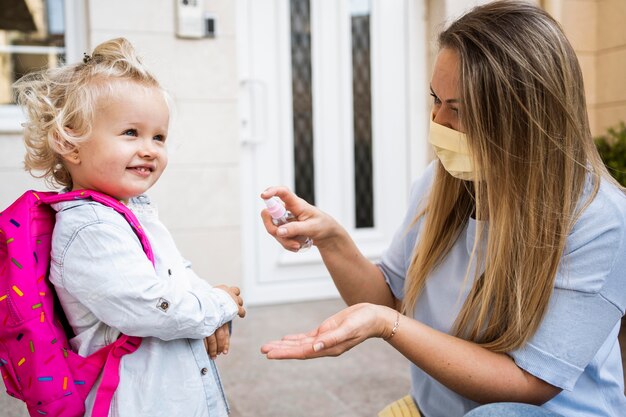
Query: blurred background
328, 97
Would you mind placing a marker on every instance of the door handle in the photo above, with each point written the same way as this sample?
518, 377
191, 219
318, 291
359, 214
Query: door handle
252, 111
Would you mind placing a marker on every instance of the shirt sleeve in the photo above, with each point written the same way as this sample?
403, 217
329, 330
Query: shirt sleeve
588, 298
106, 270
397, 258
199, 284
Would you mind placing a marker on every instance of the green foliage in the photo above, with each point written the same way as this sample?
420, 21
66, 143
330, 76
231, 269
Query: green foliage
612, 148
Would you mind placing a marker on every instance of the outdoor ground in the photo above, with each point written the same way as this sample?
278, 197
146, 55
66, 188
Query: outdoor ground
357, 384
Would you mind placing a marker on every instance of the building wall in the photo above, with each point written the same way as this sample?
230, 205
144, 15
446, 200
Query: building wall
610, 106
597, 32
198, 195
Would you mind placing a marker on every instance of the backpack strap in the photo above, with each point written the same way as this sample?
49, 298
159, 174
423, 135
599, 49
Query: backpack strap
110, 356
109, 202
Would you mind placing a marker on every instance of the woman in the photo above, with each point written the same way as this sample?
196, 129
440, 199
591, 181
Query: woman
508, 270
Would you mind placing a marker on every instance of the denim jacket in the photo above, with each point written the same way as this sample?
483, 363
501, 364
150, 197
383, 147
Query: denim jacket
107, 285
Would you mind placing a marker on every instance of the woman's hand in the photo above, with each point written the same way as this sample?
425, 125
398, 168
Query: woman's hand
357, 278
336, 335
218, 342
311, 221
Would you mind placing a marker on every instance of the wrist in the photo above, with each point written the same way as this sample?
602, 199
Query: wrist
334, 239
390, 323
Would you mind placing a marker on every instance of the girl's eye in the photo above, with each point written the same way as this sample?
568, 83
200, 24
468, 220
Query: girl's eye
130, 132
159, 138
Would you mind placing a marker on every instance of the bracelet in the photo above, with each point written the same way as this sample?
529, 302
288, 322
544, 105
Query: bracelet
395, 326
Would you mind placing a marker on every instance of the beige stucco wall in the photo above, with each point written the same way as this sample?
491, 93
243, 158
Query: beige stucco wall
597, 30
198, 195
610, 106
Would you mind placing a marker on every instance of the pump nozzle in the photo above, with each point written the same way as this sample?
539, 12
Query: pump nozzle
274, 207
281, 216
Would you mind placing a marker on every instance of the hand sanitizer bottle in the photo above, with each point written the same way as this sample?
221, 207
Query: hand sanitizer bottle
281, 216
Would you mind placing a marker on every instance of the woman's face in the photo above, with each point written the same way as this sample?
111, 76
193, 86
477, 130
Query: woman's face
444, 88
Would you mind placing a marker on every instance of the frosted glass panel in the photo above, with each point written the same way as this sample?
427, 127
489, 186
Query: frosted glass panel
301, 83
362, 111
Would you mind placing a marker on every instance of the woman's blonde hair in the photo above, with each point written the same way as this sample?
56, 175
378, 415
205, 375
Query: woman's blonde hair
523, 110
60, 104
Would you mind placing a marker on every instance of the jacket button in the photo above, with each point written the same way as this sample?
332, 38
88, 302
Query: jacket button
204, 371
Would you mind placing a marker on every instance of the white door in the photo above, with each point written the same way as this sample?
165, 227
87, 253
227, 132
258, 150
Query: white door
325, 111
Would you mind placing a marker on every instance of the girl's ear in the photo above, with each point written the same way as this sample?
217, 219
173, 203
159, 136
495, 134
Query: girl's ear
72, 157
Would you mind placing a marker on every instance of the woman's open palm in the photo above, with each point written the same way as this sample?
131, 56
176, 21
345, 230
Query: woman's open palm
336, 335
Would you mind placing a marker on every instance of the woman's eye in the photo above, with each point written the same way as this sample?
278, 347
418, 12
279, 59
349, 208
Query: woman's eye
435, 99
130, 132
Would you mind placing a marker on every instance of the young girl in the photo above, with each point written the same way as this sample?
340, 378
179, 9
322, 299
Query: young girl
509, 268
102, 125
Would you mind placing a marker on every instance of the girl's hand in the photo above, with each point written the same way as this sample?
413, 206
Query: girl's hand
311, 221
218, 342
235, 292
336, 335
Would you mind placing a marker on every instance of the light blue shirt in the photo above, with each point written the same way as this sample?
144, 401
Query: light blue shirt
107, 285
575, 347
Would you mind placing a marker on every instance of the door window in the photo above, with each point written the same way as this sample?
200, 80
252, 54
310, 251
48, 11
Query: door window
362, 114
302, 99
302, 107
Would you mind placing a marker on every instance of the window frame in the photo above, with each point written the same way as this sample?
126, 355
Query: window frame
75, 17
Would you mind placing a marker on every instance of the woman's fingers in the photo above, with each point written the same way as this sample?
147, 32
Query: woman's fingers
311, 221
308, 348
300, 336
293, 203
285, 235
336, 335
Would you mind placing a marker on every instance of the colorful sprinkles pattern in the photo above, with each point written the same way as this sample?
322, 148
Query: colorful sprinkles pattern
15, 272
40, 364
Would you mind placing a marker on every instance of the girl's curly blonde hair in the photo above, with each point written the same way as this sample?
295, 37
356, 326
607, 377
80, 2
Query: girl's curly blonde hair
60, 105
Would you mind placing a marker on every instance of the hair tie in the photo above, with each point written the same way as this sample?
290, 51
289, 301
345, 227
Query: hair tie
86, 58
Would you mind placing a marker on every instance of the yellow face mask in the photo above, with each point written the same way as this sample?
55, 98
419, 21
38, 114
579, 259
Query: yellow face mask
452, 150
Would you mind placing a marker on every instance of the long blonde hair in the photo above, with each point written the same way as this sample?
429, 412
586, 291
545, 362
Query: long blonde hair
523, 109
60, 104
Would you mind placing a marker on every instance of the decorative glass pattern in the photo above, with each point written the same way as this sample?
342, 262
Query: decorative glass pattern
362, 111
302, 98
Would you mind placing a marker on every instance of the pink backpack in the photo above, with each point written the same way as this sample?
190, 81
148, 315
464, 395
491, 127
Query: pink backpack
37, 364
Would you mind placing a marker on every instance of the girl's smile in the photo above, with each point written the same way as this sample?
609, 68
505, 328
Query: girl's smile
142, 171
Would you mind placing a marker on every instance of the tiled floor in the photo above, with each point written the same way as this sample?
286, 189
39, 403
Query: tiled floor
357, 384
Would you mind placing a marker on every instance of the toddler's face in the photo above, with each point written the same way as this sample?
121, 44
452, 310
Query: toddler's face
125, 154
